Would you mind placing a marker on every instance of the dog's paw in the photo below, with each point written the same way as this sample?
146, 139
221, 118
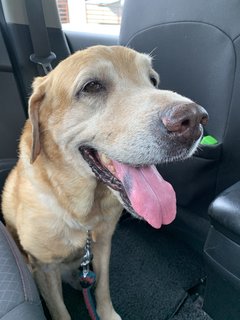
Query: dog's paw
116, 316
110, 315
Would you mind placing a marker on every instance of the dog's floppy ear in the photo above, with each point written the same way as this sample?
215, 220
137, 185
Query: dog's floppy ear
33, 112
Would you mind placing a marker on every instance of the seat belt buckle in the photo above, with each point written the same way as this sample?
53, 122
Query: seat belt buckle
44, 62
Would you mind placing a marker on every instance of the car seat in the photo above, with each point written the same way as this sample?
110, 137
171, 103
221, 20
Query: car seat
195, 47
19, 297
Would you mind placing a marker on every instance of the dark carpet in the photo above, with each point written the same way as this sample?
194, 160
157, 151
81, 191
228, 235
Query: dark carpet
151, 271
191, 311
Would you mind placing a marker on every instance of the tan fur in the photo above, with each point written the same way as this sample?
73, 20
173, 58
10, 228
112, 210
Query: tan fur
51, 198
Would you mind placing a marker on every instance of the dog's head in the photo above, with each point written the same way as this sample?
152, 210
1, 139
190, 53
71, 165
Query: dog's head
103, 110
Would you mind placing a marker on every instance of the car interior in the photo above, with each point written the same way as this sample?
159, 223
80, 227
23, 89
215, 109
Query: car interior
189, 269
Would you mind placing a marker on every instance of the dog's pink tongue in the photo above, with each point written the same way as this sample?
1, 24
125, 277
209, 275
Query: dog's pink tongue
150, 195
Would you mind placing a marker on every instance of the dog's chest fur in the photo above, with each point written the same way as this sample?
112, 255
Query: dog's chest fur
70, 228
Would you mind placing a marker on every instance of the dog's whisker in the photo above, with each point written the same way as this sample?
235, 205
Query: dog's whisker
151, 52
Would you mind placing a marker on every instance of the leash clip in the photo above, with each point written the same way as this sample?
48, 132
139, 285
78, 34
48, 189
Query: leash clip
88, 278
87, 256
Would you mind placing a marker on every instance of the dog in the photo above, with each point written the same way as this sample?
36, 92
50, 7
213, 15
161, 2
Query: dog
97, 126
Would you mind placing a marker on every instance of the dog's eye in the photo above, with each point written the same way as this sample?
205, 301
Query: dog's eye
93, 86
154, 81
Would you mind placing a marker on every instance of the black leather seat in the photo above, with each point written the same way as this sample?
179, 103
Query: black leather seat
19, 299
196, 49
222, 254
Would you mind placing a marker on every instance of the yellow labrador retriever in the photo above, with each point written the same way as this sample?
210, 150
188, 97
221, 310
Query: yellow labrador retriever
97, 125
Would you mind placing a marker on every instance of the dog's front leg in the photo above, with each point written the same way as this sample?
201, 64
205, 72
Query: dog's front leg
48, 279
101, 259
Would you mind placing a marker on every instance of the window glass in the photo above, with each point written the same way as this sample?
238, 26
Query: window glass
98, 16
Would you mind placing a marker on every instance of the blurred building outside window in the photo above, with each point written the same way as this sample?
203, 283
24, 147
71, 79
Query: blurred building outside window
98, 16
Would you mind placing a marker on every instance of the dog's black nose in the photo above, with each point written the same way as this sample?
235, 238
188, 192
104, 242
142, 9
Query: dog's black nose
184, 119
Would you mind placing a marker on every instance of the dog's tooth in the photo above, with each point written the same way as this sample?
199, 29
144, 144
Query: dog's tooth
111, 168
107, 162
105, 159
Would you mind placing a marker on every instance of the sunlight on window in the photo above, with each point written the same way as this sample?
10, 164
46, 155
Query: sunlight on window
98, 16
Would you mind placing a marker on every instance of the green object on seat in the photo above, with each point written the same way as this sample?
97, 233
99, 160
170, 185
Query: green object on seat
208, 140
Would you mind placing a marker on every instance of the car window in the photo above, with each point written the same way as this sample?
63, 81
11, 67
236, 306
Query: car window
98, 16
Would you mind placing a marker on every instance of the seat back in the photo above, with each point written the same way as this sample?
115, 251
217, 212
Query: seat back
196, 49
12, 116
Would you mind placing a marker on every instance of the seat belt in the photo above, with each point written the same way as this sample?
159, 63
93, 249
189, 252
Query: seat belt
42, 54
